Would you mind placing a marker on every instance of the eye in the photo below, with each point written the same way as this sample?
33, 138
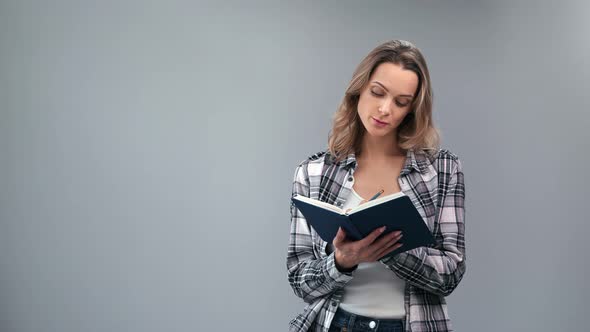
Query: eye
400, 104
376, 94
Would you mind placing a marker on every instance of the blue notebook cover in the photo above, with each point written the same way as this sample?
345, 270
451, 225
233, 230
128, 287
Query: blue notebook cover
395, 212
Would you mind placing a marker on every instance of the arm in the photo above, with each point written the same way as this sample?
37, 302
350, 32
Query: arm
309, 276
434, 270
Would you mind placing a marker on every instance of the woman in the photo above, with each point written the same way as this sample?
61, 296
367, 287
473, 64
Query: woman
383, 139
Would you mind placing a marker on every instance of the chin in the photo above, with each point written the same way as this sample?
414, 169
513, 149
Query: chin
379, 133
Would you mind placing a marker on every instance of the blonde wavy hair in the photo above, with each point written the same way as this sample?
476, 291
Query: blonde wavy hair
416, 131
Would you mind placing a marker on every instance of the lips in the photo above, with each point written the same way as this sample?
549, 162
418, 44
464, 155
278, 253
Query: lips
380, 122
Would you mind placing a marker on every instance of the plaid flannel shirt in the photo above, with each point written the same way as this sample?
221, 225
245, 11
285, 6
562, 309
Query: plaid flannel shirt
435, 185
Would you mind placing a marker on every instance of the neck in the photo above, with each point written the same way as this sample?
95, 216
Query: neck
380, 148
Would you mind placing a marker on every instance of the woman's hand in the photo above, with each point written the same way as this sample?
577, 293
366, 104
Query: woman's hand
350, 253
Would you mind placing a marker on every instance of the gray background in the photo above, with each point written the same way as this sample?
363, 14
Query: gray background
147, 154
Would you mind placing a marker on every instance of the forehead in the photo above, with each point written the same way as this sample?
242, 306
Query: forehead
396, 79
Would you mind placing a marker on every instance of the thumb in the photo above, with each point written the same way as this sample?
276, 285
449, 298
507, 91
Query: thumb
339, 238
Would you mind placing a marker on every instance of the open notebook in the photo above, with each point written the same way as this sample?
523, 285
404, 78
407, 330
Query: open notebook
396, 211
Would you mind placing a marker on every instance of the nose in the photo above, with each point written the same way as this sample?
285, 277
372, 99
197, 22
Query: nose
385, 108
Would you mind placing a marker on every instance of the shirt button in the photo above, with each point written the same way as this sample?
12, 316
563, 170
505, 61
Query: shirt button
350, 178
339, 204
372, 324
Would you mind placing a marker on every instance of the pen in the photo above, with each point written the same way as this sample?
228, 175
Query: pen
377, 194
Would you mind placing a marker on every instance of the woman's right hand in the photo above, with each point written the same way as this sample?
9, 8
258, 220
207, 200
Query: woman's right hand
349, 253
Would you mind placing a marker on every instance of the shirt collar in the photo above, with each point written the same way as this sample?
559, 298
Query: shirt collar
416, 161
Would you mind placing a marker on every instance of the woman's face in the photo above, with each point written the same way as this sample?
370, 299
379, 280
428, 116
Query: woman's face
387, 98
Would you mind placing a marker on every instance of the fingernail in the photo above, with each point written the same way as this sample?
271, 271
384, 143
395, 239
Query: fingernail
383, 228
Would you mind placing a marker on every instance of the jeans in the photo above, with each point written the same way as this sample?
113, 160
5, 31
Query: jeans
345, 321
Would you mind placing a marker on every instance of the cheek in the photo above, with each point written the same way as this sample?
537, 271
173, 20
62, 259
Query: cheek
365, 103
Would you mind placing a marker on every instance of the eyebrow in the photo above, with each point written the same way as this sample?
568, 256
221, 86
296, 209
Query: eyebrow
383, 86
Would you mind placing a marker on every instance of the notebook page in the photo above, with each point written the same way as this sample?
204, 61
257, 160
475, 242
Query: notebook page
376, 201
321, 204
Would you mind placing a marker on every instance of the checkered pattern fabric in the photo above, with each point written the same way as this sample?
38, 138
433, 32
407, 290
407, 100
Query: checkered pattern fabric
435, 185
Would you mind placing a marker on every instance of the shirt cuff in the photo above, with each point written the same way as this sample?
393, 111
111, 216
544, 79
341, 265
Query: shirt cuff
333, 271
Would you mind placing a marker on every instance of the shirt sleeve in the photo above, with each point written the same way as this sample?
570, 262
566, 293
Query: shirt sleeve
439, 270
310, 277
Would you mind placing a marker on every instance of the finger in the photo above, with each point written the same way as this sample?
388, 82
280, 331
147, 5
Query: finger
339, 238
388, 249
387, 245
372, 236
386, 239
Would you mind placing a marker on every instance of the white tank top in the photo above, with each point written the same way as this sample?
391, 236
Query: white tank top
375, 291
